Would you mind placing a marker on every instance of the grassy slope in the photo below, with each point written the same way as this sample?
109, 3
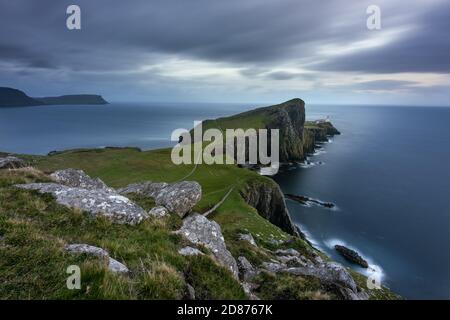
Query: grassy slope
35, 229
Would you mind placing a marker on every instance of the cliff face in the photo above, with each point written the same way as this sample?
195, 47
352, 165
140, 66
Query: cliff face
10, 97
289, 118
266, 197
316, 131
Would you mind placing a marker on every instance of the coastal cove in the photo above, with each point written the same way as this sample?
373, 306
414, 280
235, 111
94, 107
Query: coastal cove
375, 146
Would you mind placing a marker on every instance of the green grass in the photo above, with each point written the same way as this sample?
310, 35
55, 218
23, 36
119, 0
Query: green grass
34, 230
33, 263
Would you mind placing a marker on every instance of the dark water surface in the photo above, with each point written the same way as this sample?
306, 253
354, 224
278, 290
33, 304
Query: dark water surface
388, 174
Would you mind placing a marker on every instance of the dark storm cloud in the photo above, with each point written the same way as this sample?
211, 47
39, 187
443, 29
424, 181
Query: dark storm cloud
248, 31
425, 49
120, 39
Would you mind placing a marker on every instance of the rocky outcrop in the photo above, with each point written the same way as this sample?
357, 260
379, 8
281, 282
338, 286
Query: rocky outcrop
96, 202
266, 197
351, 256
113, 265
201, 231
11, 162
309, 201
329, 274
146, 189
79, 179
246, 270
178, 198
315, 132
248, 238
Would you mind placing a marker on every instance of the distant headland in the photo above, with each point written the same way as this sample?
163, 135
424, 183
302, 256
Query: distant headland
10, 97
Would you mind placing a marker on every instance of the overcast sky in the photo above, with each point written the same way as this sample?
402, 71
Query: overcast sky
230, 50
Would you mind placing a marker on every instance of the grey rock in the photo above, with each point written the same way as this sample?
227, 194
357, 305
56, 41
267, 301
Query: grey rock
189, 251
201, 231
11, 162
158, 212
246, 269
116, 266
78, 179
247, 237
274, 267
287, 252
113, 265
293, 261
180, 197
190, 292
113, 206
248, 289
148, 188
334, 274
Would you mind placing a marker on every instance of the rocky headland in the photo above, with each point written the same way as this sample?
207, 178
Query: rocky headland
10, 97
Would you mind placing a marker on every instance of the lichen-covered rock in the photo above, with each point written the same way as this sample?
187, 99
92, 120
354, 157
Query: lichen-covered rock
11, 162
148, 188
180, 197
201, 231
247, 237
113, 265
113, 206
78, 179
333, 274
158, 212
189, 251
288, 252
273, 266
246, 269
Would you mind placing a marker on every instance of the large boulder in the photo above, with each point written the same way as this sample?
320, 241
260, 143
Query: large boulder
98, 202
11, 162
178, 198
201, 231
79, 179
113, 265
328, 273
147, 189
332, 273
